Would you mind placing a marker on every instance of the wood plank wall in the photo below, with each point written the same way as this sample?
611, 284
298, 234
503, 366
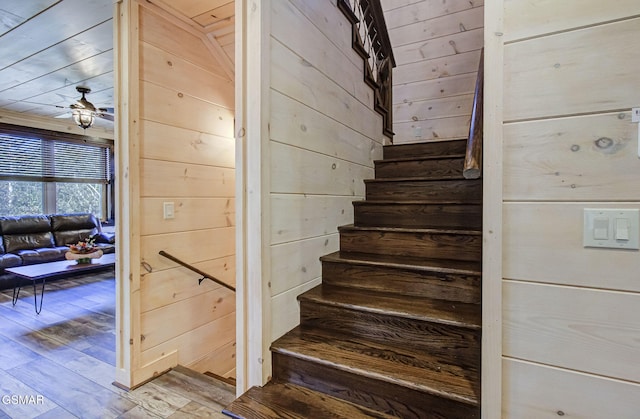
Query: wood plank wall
571, 330
324, 135
437, 50
186, 157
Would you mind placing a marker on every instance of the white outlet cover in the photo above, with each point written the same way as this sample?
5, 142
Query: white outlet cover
635, 115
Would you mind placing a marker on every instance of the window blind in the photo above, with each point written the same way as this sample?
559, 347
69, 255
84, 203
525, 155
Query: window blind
36, 159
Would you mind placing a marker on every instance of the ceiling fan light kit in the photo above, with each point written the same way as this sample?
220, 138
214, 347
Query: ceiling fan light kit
83, 111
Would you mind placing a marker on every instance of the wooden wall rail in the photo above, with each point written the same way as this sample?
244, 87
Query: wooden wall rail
196, 270
473, 158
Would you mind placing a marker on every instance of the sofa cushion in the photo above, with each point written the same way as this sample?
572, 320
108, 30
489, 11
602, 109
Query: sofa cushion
72, 228
25, 224
108, 238
61, 222
9, 260
65, 238
15, 242
30, 257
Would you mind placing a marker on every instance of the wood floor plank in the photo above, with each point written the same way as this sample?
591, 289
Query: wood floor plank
57, 413
79, 395
210, 393
138, 412
93, 368
197, 410
157, 400
14, 354
82, 361
10, 385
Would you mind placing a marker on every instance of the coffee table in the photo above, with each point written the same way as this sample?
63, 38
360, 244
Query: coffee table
43, 271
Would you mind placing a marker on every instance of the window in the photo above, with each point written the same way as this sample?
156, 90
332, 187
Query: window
44, 172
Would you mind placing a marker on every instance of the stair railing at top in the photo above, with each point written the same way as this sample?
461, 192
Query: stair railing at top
196, 270
473, 158
371, 41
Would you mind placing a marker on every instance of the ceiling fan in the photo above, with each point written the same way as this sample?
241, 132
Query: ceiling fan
84, 112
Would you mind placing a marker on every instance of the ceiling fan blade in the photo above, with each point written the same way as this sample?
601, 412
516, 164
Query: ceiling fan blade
106, 116
64, 115
106, 110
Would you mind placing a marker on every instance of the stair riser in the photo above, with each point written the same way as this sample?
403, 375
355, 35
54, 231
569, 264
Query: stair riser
469, 191
418, 215
443, 286
427, 245
434, 148
436, 168
379, 395
452, 344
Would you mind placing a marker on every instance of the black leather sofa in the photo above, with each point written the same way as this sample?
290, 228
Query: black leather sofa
31, 239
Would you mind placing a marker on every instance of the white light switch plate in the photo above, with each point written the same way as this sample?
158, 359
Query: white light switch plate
168, 210
635, 114
594, 225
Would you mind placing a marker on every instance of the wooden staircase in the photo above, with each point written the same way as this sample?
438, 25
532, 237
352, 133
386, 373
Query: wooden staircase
394, 329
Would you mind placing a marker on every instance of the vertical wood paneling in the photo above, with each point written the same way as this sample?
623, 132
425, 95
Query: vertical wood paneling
297, 262
492, 223
169, 37
582, 395
316, 173
314, 52
322, 215
196, 343
194, 213
324, 136
299, 125
295, 77
593, 331
549, 76
580, 158
187, 157
526, 19
167, 286
570, 312
186, 145
437, 50
535, 231
127, 84
285, 309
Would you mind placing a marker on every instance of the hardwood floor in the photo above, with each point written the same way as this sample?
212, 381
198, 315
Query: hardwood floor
61, 362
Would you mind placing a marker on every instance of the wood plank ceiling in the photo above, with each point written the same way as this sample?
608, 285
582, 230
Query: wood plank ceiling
48, 47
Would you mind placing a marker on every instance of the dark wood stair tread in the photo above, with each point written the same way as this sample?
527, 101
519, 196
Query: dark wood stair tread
398, 366
425, 179
285, 400
444, 312
468, 232
417, 179
406, 262
413, 202
426, 189
417, 158
425, 148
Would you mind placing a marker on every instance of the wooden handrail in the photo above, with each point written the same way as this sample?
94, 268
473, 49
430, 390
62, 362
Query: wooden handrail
473, 158
370, 39
196, 270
